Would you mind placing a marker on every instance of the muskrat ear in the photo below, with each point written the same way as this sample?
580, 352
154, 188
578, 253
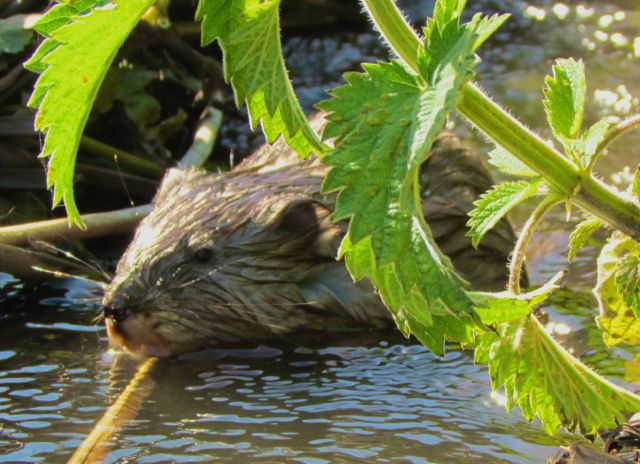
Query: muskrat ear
298, 217
312, 220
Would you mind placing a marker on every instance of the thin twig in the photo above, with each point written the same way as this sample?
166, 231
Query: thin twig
124, 158
203, 140
517, 262
622, 127
55, 230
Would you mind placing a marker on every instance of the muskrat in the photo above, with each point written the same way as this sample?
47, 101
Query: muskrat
250, 254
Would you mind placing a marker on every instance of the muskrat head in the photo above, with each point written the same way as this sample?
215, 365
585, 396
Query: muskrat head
223, 258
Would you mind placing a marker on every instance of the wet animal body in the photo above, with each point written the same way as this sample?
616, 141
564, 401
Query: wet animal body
249, 254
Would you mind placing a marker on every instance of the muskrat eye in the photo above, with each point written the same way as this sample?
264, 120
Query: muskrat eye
204, 255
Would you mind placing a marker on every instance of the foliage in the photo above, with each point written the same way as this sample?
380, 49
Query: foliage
580, 235
72, 63
382, 124
618, 290
507, 164
495, 204
249, 34
544, 380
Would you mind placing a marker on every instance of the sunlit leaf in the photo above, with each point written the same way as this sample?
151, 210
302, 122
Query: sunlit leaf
617, 290
590, 141
509, 164
580, 235
73, 61
383, 124
495, 204
546, 381
505, 306
565, 94
249, 34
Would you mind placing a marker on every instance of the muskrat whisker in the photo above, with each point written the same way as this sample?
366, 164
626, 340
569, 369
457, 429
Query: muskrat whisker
66, 275
94, 266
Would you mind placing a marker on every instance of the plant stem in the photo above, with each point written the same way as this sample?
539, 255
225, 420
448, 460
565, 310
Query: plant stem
203, 140
519, 252
54, 230
563, 176
622, 127
126, 159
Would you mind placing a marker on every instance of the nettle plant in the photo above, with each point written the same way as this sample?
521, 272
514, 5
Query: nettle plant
382, 124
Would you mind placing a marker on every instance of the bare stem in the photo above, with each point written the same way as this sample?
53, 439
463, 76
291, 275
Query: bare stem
55, 230
204, 139
519, 253
124, 158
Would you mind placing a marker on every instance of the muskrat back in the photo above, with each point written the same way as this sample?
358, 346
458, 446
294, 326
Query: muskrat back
250, 254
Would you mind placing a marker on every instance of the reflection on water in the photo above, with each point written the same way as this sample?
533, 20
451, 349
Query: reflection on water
379, 401
369, 400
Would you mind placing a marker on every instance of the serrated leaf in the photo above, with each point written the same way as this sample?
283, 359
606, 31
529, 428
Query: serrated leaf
249, 34
499, 307
581, 234
509, 164
13, 35
546, 381
565, 94
79, 51
446, 41
495, 204
627, 280
589, 142
487, 26
618, 309
383, 124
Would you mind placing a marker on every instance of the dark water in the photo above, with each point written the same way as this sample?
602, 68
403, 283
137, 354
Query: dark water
375, 399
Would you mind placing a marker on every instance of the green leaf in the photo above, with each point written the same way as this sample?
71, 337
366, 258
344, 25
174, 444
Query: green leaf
565, 97
627, 280
494, 308
486, 28
383, 124
635, 187
509, 164
495, 204
544, 380
581, 234
617, 290
249, 34
13, 35
73, 62
589, 142
445, 41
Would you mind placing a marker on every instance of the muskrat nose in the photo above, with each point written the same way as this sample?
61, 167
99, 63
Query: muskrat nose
116, 313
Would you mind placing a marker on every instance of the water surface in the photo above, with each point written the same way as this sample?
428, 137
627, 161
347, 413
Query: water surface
374, 399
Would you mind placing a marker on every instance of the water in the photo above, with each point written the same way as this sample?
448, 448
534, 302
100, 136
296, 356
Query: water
375, 399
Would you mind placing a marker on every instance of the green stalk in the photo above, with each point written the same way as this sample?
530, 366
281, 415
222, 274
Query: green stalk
561, 174
519, 253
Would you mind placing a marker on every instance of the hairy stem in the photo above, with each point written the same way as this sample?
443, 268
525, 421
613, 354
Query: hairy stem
618, 130
519, 253
562, 175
